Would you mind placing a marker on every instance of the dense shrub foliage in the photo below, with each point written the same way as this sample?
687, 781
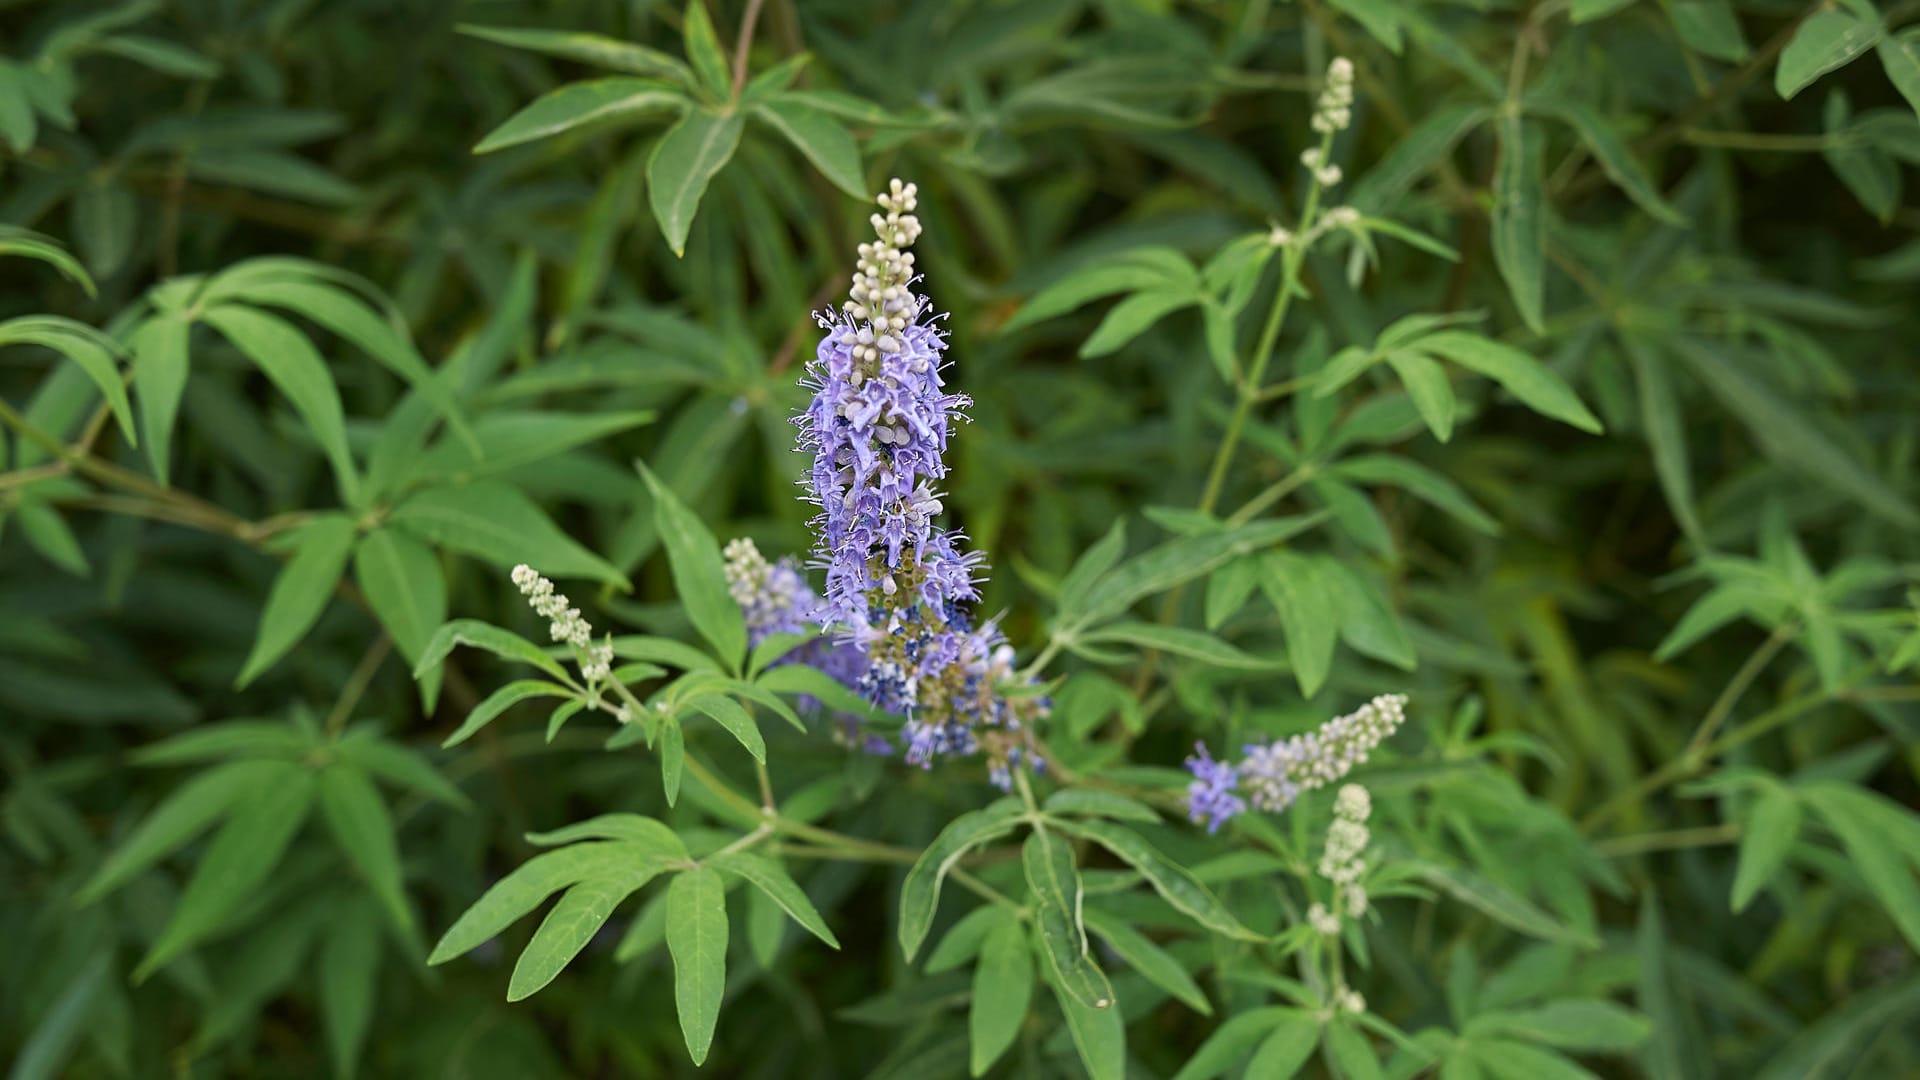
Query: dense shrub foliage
1358, 538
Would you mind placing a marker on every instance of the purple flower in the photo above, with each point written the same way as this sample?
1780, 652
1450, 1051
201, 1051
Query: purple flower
898, 586
1210, 796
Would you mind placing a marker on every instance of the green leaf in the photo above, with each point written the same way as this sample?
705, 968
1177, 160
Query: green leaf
1175, 884
821, 138
294, 367
1055, 884
1180, 642
494, 521
476, 634
591, 49
920, 892
1088, 284
1860, 820
385, 341
404, 585
1131, 317
180, 817
729, 714
1161, 568
1827, 40
697, 939
44, 1053
1427, 387
673, 758
31, 245
500, 701
1232, 1039
1786, 436
1380, 18
1002, 990
572, 924
683, 163
103, 223
240, 859
703, 49
1092, 564
1093, 801
1900, 55
1666, 436
580, 103
1498, 903
1588, 1026
1419, 481
1520, 220
1770, 833
1154, 963
18, 126
1614, 158
699, 574
1308, 600
399, 765
1710, 27
524, 889
1368, 623
1349, 1050
159, 380
1228, 590
1287, 1047
300, 592
962, 941
94, 352
358, 819
349, 964
768, 876
1099, 1033
644, 834
1537, 387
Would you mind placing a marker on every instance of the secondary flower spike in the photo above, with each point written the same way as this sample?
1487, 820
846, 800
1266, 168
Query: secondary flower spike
898, 586
1273, 774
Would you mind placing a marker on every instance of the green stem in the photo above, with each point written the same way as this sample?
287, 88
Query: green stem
1737, 686
1669, 840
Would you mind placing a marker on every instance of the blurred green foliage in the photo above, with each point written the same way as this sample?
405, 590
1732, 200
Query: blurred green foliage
1594, 430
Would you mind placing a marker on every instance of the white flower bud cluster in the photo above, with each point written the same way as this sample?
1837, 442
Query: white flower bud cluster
1347, 837
1325, 172
1334, 110
882, 293
1322, 920
747, 571
564, 620
1350, 1001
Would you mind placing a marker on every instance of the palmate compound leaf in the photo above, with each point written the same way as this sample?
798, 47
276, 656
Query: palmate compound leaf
920, 893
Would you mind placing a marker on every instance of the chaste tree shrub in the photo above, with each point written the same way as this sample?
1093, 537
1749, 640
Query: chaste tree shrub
1354, 539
